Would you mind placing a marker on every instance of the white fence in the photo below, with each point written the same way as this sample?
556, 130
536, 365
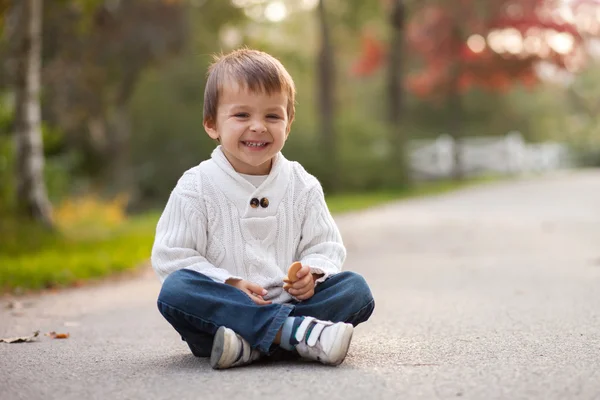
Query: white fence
509, 154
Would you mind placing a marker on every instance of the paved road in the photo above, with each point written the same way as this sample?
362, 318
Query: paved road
491, 292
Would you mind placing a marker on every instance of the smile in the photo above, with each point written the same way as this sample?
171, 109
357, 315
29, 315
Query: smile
255, 144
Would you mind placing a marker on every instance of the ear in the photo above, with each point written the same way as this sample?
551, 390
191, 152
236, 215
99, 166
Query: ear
211, 129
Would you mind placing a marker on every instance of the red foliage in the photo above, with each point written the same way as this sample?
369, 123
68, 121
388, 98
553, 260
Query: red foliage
371, 58
437, 35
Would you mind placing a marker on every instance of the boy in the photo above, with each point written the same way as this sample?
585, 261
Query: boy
235, 223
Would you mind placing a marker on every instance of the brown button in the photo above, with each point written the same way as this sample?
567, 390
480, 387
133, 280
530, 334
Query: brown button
264, 202
254, 203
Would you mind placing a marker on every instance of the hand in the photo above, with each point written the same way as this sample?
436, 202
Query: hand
254, 291
304, 287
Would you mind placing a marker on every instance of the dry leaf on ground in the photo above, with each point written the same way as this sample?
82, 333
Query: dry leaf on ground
14, 305
18, 305
55, 335
21, 339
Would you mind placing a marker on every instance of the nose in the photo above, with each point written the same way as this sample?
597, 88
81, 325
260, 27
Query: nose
257, 126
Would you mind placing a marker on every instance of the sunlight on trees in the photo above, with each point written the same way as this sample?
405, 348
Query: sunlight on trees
122, 81
274, 11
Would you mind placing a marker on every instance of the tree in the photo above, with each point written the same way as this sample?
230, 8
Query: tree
450, 39
325, 68
31, 190
396, 87
496, 43
492, 44
92, 73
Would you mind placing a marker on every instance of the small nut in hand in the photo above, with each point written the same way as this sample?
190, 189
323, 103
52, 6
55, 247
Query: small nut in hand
294, 268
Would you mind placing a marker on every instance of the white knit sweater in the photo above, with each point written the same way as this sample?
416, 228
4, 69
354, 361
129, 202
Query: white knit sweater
209, 226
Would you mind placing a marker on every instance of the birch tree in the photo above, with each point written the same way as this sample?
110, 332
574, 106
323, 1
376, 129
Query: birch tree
31, 190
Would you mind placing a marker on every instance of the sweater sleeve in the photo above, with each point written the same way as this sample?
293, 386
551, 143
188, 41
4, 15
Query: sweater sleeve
321, 245
181, 237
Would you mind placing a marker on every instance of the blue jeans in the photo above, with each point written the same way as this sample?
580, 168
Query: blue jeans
196, 306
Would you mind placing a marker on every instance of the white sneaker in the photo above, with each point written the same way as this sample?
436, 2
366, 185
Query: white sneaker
328, 342
231, 350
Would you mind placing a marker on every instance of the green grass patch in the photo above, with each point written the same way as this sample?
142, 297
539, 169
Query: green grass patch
33, 259
346, 202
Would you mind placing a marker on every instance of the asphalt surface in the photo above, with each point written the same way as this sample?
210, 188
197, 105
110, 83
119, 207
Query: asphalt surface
492, 292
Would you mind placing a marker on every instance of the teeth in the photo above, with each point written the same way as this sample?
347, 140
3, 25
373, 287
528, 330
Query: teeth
261, 144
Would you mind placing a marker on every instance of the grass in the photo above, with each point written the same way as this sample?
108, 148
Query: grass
33, 259
339, 203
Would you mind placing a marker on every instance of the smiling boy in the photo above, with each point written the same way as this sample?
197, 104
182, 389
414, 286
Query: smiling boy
235, 223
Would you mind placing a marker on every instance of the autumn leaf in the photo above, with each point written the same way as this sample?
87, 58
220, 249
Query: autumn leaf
55, 335
21, 339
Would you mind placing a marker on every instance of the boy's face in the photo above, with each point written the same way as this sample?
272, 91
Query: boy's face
252, 127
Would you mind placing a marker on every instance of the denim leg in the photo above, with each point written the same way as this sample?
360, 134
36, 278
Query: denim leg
201, 344
196, 306
344, 297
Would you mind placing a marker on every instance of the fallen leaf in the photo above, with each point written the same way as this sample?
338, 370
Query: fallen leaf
21, 339
55, 335
14, 305
18, 305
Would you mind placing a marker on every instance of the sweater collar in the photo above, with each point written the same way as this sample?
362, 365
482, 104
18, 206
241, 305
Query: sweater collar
239, 191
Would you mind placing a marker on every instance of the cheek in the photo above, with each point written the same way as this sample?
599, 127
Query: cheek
281, 128
234, 128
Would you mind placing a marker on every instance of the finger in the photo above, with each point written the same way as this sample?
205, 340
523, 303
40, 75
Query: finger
304, 282
306, 295
260, 301
299, 292
254, 288
256, 298
302, 272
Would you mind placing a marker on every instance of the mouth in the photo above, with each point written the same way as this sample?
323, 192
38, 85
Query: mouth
255, 144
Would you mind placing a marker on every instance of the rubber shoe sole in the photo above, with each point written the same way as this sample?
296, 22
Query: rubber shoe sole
222, 355
341, 346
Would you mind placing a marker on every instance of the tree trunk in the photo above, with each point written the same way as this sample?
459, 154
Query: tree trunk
120, 171
325, 68
455, 126
455, 107
31, 189
396, 92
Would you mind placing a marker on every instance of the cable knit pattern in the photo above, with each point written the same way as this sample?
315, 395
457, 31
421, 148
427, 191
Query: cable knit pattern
209, 226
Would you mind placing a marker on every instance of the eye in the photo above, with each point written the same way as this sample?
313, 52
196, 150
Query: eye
273, 116
241, 115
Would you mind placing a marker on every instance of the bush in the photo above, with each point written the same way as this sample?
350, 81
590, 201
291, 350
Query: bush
93, 239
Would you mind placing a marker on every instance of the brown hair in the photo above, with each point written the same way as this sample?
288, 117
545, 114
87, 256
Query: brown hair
256, 70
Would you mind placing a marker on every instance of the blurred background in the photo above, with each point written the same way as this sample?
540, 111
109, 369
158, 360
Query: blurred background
101, 108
